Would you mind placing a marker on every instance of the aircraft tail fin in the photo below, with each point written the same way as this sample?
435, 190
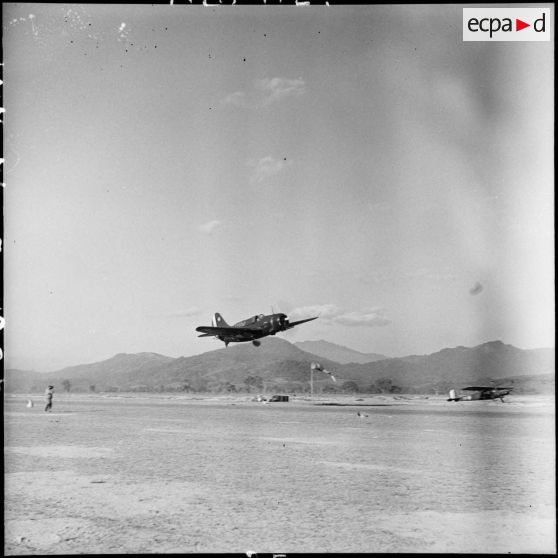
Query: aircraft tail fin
219, 321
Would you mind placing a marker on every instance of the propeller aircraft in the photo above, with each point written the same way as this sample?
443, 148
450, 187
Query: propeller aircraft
481, 392
250, 329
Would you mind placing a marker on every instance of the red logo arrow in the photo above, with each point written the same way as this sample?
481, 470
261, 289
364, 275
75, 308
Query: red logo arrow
519, 25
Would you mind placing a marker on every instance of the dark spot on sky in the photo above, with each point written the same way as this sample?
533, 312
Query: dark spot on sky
476, 289
244, 59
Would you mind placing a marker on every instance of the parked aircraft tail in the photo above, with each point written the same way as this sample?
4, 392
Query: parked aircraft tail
219, 321
452, 395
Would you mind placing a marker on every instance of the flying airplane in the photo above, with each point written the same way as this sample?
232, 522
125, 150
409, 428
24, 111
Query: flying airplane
251, 329
481, 392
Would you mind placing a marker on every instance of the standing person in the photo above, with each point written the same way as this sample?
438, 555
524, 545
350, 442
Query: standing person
49, 392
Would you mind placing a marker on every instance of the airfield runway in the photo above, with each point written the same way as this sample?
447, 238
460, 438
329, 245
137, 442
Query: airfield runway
186, 474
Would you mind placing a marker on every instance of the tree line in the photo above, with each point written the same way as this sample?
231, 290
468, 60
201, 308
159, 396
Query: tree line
250, 384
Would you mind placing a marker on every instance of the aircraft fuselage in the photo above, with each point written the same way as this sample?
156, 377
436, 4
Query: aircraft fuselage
492, 393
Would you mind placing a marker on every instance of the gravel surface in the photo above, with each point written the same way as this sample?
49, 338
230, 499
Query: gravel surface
184, 474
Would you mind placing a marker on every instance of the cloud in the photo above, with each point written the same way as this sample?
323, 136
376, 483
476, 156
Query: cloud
393, 274
209, 227
237, 99
325, 311
188, 313
265, 168
369, 318
380, 207
477, 289
277, 88
331, 314
265, 92
434, 274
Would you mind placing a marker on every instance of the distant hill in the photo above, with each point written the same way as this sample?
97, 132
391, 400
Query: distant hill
24, 381
338, 353
282, 366
456, 367
123, 367
275, 360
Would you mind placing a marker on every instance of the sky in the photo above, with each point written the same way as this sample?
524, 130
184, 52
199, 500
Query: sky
360, 163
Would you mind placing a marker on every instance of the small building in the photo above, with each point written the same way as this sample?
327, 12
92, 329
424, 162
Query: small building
279, 399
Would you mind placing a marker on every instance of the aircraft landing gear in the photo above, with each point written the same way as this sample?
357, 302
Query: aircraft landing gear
256, 343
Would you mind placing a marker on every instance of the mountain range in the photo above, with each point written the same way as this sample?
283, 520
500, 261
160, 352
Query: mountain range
282, 366
338, 353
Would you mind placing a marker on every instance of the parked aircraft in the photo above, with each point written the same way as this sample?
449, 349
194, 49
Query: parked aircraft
250, 329
481, 392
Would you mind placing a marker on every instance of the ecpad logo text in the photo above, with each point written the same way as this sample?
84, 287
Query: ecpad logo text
506, 24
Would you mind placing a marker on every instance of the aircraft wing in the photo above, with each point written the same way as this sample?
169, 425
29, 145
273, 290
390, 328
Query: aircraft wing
292, 324
240, 331
478, 388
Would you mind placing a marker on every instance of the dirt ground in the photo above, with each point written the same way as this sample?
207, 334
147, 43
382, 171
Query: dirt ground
182, 474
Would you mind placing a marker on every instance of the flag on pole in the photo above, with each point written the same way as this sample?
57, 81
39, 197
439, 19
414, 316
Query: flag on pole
318, 366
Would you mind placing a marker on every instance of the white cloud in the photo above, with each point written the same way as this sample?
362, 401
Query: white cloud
237, 98
189, 312
434, 274
277, 88
325, 311
370, 318
265, 168
380, 207
332, 314
209, 227
396, 274
265, 92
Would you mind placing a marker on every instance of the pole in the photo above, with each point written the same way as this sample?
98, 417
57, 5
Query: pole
311, 382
